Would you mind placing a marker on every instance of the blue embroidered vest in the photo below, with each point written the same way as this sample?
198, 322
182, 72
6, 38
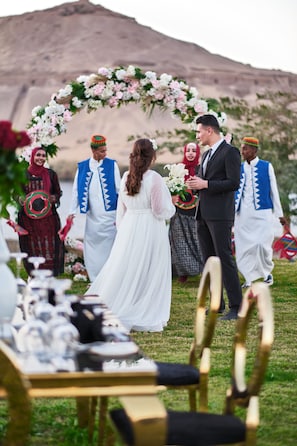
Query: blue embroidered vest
107, 182
260, 184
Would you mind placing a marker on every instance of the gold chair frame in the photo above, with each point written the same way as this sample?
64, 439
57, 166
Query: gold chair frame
242, 393
204, 327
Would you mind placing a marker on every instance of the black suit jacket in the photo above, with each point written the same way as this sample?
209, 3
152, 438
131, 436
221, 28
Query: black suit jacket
223, 175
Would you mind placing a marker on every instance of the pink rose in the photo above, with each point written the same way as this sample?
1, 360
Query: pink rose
77, 267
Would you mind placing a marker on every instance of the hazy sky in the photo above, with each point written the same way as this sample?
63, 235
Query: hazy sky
262, 33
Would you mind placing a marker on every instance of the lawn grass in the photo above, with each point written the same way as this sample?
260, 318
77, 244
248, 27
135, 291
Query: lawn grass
54, 421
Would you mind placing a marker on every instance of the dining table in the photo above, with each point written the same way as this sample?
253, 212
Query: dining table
106, 363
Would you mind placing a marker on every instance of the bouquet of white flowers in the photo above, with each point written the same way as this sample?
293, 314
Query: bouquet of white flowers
175, 180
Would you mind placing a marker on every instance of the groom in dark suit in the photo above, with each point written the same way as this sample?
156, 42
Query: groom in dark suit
217, 180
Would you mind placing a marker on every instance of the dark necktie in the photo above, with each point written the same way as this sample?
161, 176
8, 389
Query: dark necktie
207, 160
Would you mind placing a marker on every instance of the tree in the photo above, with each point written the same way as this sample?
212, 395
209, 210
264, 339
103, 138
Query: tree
273, 120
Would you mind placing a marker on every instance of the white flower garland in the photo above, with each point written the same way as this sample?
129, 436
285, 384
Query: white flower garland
113, 88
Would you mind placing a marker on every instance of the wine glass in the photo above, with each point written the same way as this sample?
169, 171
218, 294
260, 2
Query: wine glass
62, 300
63, 307
40, 283
36, 261
34, 338
63, 338
21, 284
60, 286
8, 333
18, 256
37, 291
21, 287
63, 335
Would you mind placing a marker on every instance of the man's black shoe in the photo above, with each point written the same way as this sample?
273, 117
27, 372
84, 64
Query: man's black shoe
222, 307
220, 311
231, 315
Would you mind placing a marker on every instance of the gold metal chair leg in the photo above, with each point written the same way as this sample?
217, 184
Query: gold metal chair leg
193, 400
203, 393
102, 432
83, 411
91, 425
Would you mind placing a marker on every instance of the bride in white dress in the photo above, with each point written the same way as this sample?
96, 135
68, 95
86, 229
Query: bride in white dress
135, 282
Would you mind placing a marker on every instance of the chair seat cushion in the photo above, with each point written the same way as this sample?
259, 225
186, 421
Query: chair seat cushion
203, 429
189, 428
176, 374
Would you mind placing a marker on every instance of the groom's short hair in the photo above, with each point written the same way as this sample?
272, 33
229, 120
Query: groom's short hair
209, 120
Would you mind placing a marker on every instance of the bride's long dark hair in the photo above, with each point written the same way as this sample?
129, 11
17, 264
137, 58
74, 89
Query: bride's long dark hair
142, 156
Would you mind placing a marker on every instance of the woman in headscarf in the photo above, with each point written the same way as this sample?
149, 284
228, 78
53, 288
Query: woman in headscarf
38, 215
185, 248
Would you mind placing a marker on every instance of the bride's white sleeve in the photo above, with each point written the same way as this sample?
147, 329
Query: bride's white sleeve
161, 202
121, 208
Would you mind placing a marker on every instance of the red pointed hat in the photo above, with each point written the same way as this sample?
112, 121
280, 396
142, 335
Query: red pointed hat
251, 141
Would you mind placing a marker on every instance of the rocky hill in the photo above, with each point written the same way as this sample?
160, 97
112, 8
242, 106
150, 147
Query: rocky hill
42, 51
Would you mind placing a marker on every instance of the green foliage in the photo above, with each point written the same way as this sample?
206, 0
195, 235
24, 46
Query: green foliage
78, 89
12, 180
51, 149
272, 119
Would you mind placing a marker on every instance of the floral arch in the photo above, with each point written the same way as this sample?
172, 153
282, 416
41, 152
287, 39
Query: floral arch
114, 87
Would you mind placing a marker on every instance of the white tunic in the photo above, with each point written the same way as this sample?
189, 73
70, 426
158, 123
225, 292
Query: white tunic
254, 229
100, 229
135, 282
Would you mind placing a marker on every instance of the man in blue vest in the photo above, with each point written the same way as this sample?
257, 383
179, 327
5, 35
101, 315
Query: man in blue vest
257, 205
95, 192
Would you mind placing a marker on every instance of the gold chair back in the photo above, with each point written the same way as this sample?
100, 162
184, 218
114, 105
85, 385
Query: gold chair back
245, 388
204, 327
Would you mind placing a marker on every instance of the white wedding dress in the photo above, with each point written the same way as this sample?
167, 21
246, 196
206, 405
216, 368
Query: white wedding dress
135, 282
